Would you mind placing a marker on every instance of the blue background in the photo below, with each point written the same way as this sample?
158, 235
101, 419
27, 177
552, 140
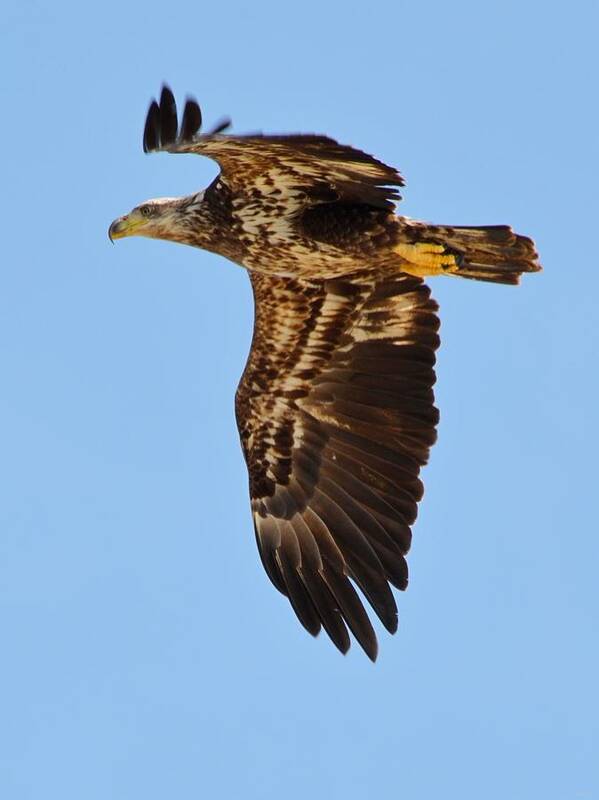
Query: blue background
143, 651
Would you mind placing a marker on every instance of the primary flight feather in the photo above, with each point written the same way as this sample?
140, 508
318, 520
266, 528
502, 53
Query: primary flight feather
335, 406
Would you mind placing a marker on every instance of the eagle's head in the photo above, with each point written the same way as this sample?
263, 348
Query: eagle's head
178, 219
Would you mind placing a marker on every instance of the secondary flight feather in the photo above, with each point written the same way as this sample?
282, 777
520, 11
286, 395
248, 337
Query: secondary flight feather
335, 407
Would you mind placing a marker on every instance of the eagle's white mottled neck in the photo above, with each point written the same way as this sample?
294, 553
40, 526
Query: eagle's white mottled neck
186, 220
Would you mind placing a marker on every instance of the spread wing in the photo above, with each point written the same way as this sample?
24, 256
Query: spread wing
315, 165
336, 417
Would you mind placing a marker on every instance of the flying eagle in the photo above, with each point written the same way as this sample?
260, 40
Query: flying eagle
335, 406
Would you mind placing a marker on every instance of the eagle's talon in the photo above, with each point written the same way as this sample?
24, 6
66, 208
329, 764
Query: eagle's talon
451, 267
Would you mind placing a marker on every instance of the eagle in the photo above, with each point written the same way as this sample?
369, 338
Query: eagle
335, 407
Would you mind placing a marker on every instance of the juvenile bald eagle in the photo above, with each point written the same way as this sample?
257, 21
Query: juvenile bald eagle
335, 406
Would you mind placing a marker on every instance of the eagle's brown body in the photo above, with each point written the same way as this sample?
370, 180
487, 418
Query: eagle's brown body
335, 407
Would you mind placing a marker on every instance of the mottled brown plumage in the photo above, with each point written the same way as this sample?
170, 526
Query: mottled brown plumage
336, 416
335, 406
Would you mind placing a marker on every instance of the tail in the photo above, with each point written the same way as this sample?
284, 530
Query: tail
489, 253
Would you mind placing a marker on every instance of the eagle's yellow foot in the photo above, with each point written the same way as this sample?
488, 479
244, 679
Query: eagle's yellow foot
428, 258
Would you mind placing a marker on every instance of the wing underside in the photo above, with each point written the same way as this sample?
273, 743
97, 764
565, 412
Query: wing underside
336, 417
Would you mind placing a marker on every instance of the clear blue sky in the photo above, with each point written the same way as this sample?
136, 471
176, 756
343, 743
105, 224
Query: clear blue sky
144, 654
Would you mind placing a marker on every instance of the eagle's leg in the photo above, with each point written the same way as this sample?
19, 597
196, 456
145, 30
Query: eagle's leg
428, 258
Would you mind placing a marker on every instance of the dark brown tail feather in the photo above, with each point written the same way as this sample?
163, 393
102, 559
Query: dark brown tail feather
491, 252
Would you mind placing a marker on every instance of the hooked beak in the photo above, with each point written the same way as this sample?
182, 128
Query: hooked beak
123, 226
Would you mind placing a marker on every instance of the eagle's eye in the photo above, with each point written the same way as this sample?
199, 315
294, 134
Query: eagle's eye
145, 211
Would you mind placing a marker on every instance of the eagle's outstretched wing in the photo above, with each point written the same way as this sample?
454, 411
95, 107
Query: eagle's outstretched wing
336, 416
326, 170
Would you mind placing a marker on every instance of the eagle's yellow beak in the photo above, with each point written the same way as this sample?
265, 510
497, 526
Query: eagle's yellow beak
124, 226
